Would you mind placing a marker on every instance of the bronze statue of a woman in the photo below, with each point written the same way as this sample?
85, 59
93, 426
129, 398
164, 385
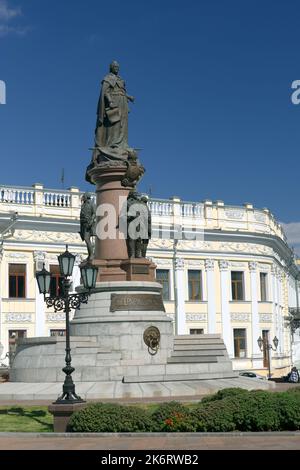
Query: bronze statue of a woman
112, 115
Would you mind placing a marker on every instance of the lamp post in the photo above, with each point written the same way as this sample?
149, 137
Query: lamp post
66, 302
264, 344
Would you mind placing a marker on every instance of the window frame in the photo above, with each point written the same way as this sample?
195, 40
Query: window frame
238, 339
17, 276
164, 282
234, 286
265, 276
194, 284
58, 277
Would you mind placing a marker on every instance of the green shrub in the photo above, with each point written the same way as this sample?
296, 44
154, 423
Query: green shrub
250, 411
228, 410
224, 393
288, 407
256, 412
215, 416
172, 417
108, 417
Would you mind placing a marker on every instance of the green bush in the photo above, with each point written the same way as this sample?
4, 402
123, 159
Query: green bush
172, 417
228, 410
288, 406
251, 411
224, 393
256, 412
108, 417
214, 416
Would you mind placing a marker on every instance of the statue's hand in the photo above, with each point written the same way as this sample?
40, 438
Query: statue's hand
131, 98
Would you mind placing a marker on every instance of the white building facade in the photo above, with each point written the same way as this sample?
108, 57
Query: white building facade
224, 269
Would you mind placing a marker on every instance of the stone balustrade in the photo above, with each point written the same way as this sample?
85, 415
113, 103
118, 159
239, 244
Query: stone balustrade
39, 201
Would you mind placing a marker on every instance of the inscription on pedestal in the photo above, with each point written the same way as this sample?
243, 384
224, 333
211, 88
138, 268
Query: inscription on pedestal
140, 269
136, 302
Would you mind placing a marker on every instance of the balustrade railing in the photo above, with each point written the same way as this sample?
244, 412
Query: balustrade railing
57, 199
16, 195
37, 195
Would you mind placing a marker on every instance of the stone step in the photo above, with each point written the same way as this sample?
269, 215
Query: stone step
80, 344
180, 377
198, 336
198, 352
184, 359
199, 347
82, 339
198, 341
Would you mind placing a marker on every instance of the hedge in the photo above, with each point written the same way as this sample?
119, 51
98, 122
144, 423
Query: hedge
227, 410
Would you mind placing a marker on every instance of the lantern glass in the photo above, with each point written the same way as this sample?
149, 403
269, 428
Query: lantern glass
66, 263
275, 341
89, 276
260, 342
43, 278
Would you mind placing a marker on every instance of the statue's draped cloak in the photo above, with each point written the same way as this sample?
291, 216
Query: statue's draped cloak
107, 134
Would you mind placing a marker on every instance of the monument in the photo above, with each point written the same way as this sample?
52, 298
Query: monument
123, 334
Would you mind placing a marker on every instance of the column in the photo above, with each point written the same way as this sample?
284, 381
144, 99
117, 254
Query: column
280, 312
1, 295
274, 300
226, 322
40, 327
179, 289
76, 272
256, 353
211, 296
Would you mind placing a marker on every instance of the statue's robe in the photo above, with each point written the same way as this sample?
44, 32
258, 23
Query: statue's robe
112, 134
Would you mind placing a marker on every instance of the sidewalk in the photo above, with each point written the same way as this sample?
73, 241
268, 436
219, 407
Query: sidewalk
147, 441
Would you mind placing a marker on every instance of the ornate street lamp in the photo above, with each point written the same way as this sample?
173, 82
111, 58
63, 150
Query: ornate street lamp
66, 302
263, 344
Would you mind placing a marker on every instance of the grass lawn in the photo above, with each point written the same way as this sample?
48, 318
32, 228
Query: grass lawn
25, 419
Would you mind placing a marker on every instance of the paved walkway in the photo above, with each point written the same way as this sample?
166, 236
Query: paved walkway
138, 441
117, 390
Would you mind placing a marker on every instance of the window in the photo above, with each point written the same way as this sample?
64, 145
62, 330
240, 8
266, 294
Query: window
162, 276
263, 287
57, 332
237, 285
195, 285
56, 281
17, 280
239, 335
196, 331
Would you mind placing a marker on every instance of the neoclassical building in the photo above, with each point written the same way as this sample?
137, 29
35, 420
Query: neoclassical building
223, 269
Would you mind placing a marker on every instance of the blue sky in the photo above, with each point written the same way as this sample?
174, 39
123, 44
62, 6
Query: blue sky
212, 82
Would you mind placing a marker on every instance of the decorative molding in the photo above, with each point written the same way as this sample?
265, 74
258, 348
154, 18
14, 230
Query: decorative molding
160, 243
265, 317
162, 262
39, 255
17, 256
18, 318
223, 265
252, 266
235, 264
234, 213
197, 263
264, 266
196, 317
240, 316
209, 264
179, 263
43, 236
56, 317
259, 216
